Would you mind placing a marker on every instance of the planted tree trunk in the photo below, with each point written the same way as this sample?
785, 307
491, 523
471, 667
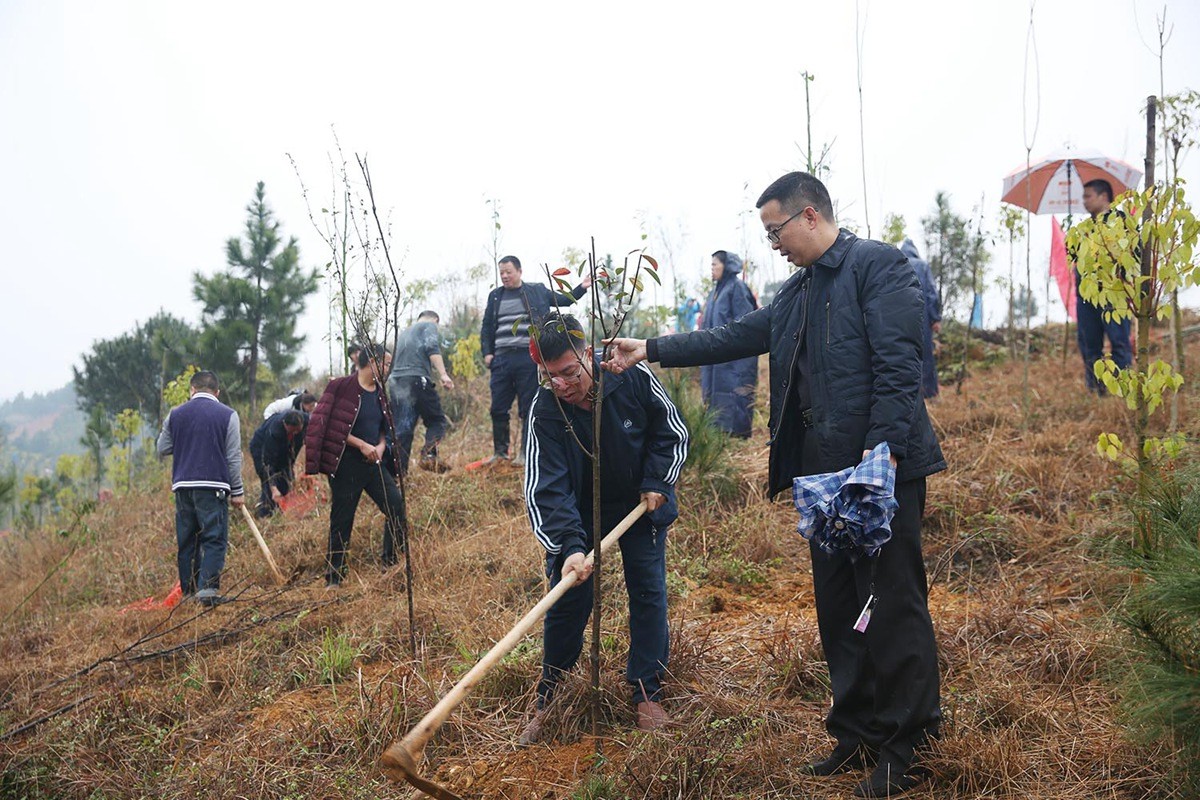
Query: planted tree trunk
1177, 329
1143, 540
597, 575
1012, 322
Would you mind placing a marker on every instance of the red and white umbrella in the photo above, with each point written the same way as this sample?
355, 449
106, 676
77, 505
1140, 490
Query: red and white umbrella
1054, 185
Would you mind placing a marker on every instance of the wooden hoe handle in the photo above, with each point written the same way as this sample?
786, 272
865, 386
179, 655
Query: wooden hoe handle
262, 545
399, 761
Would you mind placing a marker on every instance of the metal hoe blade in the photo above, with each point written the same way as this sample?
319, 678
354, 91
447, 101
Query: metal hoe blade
398, 765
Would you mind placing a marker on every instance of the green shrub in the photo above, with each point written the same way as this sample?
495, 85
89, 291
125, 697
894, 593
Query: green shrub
708, 470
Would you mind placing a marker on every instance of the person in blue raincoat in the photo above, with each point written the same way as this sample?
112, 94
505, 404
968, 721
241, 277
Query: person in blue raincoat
933, 318
728, 389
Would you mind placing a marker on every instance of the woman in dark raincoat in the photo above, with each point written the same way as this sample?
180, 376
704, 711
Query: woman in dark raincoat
728, 389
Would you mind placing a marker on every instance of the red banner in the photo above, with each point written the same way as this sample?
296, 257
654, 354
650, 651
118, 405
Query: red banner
1060, 268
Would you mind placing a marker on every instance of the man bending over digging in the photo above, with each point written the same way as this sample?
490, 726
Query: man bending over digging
643, 448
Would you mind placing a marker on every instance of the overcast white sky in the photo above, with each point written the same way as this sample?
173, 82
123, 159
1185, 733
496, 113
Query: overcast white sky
132, 134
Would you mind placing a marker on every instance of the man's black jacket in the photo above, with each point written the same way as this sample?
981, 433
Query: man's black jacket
862, 319
538, 301
273, 454
644, 445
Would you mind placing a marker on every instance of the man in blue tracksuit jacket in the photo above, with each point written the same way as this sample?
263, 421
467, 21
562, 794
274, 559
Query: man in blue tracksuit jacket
644, 446
504, 342
204, 438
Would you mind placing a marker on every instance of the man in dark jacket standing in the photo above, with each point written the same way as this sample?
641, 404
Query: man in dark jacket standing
504, 342
274, 447
204, 438
643, 448
844, 334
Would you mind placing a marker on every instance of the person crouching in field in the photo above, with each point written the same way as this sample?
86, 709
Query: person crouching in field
643, 448
204, 439
274, 447
346, 440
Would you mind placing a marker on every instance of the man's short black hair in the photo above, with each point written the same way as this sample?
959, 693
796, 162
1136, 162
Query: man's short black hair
429, 314
369, 352
795, 191
516, 262
554, 337
293, 419
205, 381
352, 349
1100, 186
305, 399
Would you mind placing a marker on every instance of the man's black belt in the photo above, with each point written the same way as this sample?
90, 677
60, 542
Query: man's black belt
806, 418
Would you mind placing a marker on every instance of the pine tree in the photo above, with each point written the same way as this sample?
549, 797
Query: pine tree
129, 371
948, 244
250, 311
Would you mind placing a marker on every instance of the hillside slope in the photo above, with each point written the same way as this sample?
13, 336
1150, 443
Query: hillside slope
295, 692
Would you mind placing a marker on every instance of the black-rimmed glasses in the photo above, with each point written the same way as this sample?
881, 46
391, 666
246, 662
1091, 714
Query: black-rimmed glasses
773, 236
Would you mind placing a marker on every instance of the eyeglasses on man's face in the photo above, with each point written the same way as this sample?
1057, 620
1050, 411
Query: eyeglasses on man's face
569, 375
773, 235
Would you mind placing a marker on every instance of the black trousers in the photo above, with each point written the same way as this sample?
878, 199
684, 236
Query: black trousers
885, 680
414, 398
270, 475
354, 476
514, 375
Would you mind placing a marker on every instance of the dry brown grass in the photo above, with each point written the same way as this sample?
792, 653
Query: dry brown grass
1009, 536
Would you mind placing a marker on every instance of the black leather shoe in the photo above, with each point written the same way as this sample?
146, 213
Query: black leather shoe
888, 781
842, 759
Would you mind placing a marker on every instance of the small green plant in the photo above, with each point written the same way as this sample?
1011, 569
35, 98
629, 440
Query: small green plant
177, 392
746, 573
336, 657
597, 787
466, 358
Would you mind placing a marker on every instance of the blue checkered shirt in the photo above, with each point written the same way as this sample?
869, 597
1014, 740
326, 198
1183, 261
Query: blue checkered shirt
849, 511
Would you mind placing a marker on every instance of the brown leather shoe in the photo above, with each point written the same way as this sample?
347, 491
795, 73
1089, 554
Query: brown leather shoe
651, 716
533, 731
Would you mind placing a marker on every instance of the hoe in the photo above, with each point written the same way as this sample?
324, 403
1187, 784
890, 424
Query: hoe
400, 761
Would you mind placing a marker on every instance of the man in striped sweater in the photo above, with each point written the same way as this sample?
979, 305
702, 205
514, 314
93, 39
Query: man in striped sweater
205, 439
643, 448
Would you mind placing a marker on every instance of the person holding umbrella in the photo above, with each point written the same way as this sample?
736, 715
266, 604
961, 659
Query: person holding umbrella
1067, 184
1093, 327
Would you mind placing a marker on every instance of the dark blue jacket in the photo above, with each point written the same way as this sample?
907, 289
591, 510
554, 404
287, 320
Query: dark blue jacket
728, 389
270, 448
933, 313
933, 303
538, 300
644, 446
204, 438
862, 321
